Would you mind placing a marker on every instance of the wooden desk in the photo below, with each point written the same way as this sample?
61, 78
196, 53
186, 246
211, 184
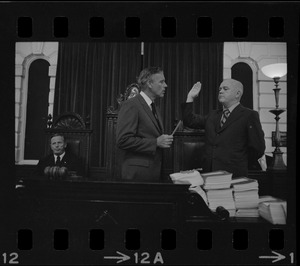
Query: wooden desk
96, 203
188, 150
92, 204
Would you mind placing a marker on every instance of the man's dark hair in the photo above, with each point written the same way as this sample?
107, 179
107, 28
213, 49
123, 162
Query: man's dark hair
146, 74
58, 135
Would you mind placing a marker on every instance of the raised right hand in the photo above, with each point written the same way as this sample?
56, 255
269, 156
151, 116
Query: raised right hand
194, 92
164, 141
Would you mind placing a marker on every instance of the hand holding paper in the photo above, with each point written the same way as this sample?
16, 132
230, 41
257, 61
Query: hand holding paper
177, 126
164, 141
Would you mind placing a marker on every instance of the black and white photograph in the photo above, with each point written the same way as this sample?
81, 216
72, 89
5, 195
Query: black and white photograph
178, 149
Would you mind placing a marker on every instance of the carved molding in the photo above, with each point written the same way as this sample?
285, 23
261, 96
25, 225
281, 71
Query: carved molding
68, 120
112, 111
131, 91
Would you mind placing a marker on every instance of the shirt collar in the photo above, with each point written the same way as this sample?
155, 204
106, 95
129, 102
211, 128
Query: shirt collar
60, 156
232, 107
146, 98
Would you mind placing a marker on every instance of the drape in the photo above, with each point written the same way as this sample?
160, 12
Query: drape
184, 64
90, 76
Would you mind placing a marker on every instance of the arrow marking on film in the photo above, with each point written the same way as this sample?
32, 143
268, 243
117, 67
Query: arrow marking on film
278, 257
121, 258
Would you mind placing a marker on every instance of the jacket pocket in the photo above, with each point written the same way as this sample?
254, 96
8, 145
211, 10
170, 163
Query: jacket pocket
138, 162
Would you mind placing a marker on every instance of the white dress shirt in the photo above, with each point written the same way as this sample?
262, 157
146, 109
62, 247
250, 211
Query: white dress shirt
147, 99
60, 156
231, 107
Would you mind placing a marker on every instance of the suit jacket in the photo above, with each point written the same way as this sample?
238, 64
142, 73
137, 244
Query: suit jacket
137, 130
69, 160
229, 147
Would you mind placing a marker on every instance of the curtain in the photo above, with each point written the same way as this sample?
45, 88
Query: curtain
90, 76
184, 64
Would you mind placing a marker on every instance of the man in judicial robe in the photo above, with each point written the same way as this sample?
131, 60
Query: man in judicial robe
232, 134
139, 134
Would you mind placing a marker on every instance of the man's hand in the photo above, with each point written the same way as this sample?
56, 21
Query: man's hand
164, 141
194, 92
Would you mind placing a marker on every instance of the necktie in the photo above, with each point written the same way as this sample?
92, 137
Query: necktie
57, 161
225, 115
154, 110
155, 113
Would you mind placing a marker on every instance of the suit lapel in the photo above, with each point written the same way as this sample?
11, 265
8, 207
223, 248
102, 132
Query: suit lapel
160, 120
235, 114
52, 160
217, 120
64, 159
149, 112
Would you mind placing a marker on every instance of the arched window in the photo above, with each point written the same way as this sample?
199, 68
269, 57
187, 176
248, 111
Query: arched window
243, 73
37, 109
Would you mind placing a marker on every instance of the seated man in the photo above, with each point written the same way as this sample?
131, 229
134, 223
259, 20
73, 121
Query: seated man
59, 157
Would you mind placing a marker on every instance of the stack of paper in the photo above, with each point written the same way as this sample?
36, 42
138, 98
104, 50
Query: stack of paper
221, 197
247, 212
244, 183
217, 187
200, 191
191, 177
273, 209
217, 180
245, 193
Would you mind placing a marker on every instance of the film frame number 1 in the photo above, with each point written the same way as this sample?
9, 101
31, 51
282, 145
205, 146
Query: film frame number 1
292, 257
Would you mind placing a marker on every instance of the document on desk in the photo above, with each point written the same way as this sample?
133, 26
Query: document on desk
200, 191
191, 177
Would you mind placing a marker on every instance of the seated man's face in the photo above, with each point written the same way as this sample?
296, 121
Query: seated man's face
58, 145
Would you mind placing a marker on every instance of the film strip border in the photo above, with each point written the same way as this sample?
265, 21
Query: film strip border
221, 244
144, 21
132, 27
132, 239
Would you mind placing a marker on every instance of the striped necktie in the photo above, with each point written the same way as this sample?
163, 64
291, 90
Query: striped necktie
225, 115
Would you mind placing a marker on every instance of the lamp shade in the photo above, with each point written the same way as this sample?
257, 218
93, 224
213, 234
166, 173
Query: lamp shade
275, 70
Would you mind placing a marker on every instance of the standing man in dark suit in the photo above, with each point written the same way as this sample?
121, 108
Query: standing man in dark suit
140, 132
59, 157
231, 133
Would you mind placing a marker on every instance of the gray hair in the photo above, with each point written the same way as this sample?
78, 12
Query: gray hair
146, 75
